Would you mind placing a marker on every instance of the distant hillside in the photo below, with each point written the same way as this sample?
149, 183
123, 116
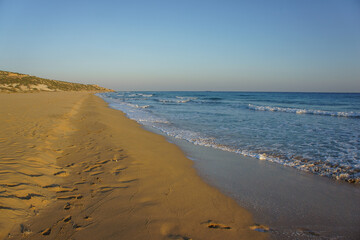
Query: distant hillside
17, 82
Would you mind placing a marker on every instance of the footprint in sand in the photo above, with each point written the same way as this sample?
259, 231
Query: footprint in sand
67, 206
77, 227
67, 218
78, 196
46, 232
212, 225
70, 165
61, 174
218, 226
260, 228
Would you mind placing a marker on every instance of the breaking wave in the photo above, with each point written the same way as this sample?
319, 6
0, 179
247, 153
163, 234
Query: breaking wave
304, 111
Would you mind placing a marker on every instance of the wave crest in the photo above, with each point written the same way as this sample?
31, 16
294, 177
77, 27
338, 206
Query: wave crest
304, 111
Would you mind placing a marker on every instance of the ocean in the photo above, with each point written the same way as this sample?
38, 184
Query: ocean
313, 132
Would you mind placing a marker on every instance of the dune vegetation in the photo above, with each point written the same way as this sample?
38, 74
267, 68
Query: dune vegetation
17, 82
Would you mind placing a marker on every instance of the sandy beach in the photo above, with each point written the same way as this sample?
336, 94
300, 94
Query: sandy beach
72, 168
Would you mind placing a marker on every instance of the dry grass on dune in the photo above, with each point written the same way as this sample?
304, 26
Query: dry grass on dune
17, 82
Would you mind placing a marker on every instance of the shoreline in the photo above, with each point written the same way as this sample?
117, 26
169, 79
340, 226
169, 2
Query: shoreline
113, 179
293, 203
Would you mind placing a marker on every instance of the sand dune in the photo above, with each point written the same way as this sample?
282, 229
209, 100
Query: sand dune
72, 168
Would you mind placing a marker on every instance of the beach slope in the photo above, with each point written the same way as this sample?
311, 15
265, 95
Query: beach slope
72, 168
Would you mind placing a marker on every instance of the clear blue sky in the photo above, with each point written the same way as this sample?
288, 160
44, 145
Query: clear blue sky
269, 45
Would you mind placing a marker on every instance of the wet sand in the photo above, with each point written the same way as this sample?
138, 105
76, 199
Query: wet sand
295, 204
72, 168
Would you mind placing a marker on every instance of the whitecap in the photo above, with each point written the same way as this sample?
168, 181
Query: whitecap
183, 101
189, 98
137, 106
304, 111
145, 95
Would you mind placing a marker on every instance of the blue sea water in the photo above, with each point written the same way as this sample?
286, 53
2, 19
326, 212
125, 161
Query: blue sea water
314, 132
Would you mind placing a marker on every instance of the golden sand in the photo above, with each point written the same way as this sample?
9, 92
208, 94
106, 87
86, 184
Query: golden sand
72, 168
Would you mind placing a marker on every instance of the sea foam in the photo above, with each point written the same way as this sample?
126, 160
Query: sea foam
324, 146
304, 111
